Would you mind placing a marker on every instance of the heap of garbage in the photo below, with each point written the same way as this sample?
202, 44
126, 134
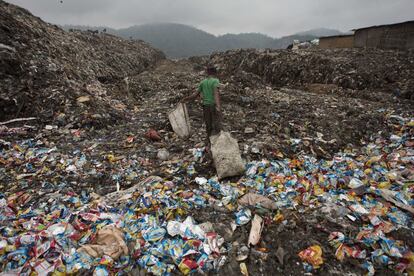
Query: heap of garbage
353, 69
321, 182
265, 120
359, 200
62, 76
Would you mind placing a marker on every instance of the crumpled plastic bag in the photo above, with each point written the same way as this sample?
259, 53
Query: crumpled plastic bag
186, 229
153, 135
109, 241
252, 199
226, 155
312, 255
243, 216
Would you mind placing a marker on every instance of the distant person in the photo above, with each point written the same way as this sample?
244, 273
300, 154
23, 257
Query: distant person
209, 91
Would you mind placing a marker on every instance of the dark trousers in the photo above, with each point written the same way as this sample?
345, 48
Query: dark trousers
212, 120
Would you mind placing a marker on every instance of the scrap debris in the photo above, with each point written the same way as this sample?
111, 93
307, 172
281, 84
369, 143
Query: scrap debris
312, 256
65, 229
322, 178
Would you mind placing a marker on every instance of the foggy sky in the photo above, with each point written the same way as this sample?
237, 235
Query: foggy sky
272, 17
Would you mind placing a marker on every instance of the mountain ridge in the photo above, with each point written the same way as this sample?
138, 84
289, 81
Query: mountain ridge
180, 41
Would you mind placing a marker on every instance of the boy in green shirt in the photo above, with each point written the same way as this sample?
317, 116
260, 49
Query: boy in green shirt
208, 89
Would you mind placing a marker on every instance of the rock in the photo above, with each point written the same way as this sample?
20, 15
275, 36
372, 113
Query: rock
83, 99
248, 130
163, 154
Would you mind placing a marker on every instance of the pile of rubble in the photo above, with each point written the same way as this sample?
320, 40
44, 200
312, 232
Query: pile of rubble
55, 75
355, 69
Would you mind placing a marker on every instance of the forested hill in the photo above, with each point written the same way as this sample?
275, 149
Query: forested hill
178, 40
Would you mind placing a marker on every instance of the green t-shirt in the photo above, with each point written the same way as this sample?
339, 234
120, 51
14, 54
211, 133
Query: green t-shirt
206, 88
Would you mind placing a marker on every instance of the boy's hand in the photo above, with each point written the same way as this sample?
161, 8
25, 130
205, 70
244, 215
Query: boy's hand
190, 98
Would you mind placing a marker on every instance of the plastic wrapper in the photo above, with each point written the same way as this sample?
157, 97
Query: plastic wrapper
101, 271
186, 229
312, 255
355, 183
154, 234
338, 241
187, 265
243, 216
213, 243
243, 269
391, 248
369, 267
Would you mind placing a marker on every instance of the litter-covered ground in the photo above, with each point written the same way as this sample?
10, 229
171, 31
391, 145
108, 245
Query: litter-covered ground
328, 187
355, 208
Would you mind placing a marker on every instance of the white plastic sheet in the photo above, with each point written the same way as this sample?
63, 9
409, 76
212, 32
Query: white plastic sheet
180, 121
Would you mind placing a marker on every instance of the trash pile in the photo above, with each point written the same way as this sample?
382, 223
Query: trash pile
354, 69
304, 45
265, 120
56, 74
156, 225
373, 190
328, 184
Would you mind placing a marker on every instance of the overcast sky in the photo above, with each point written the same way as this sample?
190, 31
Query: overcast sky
272, 17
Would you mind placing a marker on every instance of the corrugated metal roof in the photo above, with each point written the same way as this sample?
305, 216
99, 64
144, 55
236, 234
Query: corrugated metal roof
334, 36
385, 25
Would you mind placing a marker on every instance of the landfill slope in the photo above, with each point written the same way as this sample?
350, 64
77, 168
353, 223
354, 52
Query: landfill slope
100, 184
44, 70
352, 69
283, 120
60, 185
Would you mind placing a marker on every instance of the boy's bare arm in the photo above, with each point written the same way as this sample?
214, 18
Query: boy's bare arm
191, 97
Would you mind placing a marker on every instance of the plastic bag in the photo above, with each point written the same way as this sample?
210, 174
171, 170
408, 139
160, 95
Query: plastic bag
180, 121
226, 155
312, 255
109, 241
